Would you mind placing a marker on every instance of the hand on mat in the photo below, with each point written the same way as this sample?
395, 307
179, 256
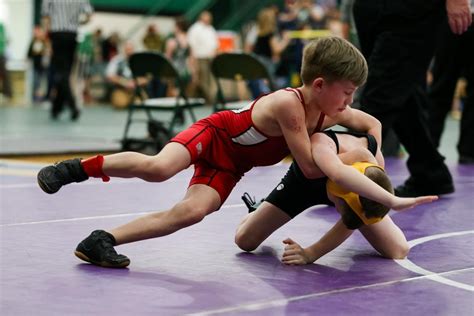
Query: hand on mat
294, 254
400, 204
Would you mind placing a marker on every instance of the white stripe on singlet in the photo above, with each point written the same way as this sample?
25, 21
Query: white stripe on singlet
250, 137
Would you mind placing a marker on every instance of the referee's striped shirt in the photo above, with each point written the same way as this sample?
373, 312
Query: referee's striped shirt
64, 14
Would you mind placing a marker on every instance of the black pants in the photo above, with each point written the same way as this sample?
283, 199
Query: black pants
454, 58
398, 40
4, 78
64, 48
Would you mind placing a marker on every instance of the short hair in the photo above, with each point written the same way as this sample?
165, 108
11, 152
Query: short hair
333, 58
182, 23
371, 208
266, 22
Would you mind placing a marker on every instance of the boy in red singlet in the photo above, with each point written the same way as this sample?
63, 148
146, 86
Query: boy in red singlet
225, 145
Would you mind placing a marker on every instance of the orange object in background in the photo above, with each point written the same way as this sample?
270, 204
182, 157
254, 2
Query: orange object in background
227, 41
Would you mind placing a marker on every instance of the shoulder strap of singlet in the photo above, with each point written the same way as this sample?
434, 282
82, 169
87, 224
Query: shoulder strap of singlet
286, 89
320, 122
298, 93
372, 147
371, 141
331, 134
301, 98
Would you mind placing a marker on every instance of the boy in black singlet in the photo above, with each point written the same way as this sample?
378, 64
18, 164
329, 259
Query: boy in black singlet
295, 193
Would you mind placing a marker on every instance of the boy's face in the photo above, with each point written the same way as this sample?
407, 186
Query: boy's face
334, 97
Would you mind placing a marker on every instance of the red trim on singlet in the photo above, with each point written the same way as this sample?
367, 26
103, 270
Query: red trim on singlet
298, 93
300, 97
321, 115
320, 122
265, 94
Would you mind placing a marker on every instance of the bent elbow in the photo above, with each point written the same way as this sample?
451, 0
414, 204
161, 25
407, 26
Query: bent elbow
336, 177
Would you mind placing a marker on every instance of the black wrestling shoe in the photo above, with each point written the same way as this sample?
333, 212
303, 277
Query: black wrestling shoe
250, 202
412, 190
52, 178
98, 249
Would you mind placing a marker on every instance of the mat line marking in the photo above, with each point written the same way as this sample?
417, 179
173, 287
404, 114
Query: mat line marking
283, 302
409, 265
76, 219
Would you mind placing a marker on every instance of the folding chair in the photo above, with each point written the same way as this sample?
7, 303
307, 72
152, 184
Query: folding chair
237, 67
160, 129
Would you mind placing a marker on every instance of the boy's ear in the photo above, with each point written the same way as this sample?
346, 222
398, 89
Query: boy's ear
318, 83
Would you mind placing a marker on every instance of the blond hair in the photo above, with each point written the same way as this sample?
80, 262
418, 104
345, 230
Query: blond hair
266, 22
333, 59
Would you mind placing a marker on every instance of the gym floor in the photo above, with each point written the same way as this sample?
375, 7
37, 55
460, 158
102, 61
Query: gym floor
199, 270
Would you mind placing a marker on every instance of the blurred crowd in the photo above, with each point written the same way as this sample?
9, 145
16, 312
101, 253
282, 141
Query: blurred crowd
276, 36
101, 73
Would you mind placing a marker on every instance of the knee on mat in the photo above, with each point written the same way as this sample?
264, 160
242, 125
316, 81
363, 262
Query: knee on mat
398, 252
244, 240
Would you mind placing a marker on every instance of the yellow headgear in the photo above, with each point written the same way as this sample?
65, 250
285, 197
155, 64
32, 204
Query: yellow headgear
351, 198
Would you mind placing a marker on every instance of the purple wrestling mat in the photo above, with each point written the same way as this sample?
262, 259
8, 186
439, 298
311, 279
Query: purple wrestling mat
200, 271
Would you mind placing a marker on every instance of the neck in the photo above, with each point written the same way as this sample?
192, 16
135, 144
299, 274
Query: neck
311, 103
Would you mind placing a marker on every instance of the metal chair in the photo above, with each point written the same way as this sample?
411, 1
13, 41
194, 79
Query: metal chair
148, 65
237, 67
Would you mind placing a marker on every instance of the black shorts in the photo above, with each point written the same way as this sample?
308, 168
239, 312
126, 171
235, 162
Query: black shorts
295, 193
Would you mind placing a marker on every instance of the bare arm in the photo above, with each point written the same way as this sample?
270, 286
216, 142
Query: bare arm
349, 178
360, 121
294, 254
291, 120
170, 47
279, 45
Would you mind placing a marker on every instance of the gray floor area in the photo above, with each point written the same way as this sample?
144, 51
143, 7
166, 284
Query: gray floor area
29, 130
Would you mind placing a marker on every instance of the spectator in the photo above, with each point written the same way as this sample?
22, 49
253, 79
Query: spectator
268, 47
119, 77
4, 77
152, 40
110, 47
349, 31
36, 53
85, 60
202, 38
177, 50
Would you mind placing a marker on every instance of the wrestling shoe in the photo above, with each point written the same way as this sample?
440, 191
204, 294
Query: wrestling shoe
98, 249
412, 189
52, 178
250, 202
